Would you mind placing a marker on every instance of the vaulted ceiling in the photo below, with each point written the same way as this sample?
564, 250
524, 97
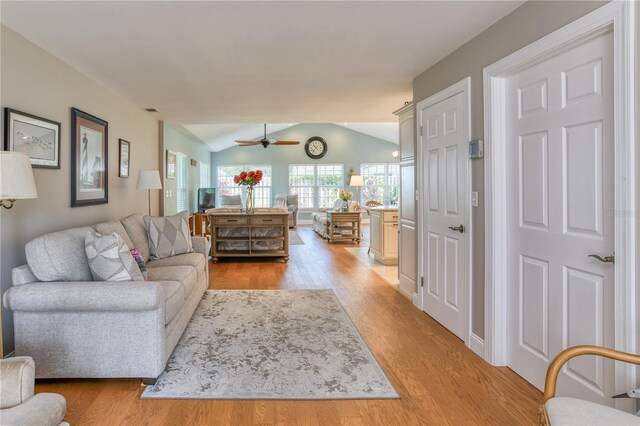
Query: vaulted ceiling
203, 63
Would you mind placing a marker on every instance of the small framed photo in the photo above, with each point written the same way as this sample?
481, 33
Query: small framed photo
37, 137
171, 164
89, 159
125, 158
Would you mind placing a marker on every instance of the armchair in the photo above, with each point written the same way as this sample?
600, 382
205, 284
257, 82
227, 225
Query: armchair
571, 411
231, 201
18, 404
291, 203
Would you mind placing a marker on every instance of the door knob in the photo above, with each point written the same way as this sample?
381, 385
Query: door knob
460, 228
606, 259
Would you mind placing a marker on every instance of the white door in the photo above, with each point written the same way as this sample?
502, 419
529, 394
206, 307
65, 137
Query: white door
561, 193
444, 158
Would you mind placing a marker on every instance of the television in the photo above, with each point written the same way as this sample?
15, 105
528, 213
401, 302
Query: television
206, 199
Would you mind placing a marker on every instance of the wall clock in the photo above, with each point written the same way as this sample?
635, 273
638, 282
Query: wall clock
316, 147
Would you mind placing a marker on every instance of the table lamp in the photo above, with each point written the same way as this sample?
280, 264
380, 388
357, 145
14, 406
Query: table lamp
149, 179
357, 181
16, 178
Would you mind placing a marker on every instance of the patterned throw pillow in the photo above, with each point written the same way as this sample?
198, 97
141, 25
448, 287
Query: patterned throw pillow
138, 258
109, 258
169, 235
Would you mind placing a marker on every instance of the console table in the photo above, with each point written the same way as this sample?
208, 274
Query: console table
261, 234
343, 226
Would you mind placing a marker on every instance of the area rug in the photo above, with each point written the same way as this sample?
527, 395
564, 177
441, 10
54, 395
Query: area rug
271, 344
294, 239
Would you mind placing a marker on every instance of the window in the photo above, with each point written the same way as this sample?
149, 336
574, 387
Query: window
316, 185
205, 176
381, 183
261, 192
181, 184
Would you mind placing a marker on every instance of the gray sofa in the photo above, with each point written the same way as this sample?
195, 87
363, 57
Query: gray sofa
73, 326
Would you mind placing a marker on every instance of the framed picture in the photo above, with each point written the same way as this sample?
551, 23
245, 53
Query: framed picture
171, 164
37, 137
125, 158
89, 159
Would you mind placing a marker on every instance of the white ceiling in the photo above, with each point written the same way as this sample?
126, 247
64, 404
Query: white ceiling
222, 136
251, 62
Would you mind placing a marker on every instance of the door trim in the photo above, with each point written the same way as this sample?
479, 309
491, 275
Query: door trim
464, 87
617, 17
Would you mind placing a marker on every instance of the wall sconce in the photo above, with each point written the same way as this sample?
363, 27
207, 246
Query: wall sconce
16, 178
395, 154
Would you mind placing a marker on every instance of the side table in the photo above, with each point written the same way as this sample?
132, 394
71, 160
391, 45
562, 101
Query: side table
343, 226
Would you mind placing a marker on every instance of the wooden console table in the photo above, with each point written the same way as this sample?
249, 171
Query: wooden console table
343, 226
262, 234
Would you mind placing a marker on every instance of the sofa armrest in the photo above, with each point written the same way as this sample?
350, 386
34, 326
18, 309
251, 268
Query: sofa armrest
17, 377
44, 409
201, 245
93, 296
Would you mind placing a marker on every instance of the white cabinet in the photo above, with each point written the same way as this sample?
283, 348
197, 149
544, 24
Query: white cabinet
384, 235
376, 238
407, 255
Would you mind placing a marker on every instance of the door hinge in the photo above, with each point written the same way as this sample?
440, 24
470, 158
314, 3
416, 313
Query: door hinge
421, 281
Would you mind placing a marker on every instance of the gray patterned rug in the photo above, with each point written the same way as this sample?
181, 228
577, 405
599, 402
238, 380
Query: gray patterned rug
271, 344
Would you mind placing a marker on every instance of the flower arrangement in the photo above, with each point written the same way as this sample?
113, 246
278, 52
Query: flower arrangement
345, 196
250, 178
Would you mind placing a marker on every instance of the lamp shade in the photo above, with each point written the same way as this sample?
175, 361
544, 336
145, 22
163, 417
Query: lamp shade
149, 179
16, 176
356, 181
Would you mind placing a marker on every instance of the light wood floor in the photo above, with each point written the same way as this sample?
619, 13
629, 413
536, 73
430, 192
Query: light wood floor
439, 380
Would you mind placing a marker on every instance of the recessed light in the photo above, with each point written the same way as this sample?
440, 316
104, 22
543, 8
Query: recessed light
346, 124
151, 110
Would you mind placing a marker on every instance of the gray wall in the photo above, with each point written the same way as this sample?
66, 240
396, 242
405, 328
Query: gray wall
345, 146
523, 26
177, 139
33, 81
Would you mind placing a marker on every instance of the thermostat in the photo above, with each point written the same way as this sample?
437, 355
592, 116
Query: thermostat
476, 148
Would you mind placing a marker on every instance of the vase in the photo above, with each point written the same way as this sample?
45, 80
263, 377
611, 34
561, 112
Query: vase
345, 205
250, 206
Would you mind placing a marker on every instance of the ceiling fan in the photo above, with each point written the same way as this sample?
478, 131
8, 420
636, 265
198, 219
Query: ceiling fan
266, 142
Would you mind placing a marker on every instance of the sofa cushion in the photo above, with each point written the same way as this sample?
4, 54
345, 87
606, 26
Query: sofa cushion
134, 225
168, 235
173, 298
59, 256
564, 411
196, 260
108, 228
185, 274
110, 259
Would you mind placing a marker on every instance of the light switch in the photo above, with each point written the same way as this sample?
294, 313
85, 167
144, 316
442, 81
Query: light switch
474, 198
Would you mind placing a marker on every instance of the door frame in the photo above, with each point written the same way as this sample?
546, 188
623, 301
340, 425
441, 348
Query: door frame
617, 17
464, 87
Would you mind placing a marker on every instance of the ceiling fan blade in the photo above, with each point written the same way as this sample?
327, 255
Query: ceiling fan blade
286, 143
247, 142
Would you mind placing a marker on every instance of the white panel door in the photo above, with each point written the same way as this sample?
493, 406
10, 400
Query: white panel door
560, 187
445, 162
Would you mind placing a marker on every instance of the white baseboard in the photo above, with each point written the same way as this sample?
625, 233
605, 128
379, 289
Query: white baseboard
476, 344
414, 299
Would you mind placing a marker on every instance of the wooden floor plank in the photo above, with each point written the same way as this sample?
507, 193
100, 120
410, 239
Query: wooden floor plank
439, 380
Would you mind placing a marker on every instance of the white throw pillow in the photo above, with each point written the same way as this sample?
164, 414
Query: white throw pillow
110, 259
